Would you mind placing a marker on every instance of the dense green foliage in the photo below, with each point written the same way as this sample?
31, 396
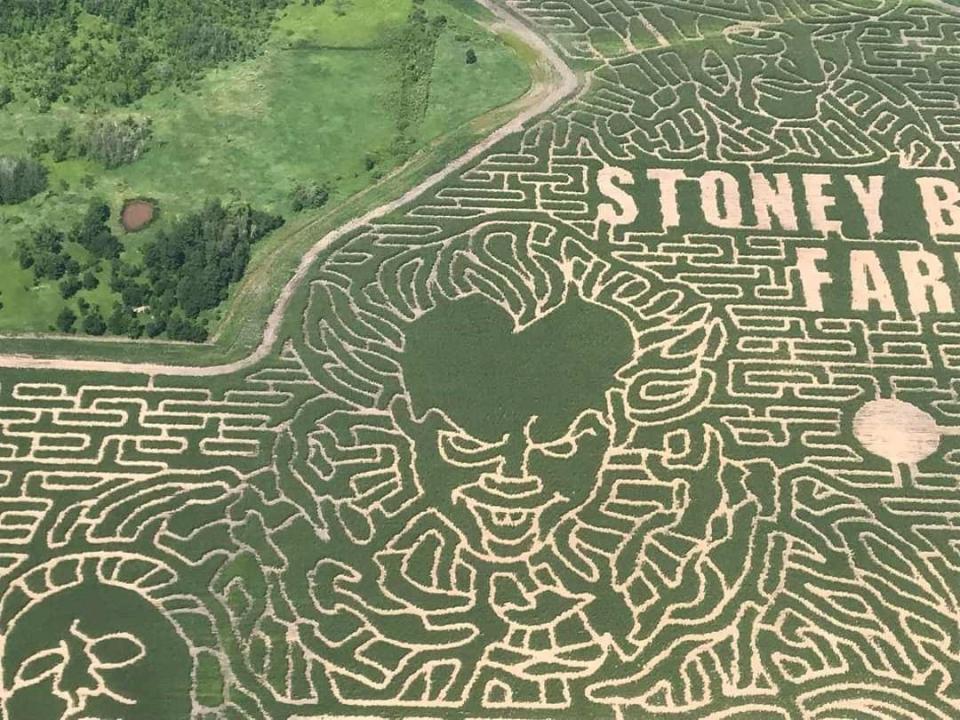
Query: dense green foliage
93, 233
20, 179
414, 48
113, 142
113, 52
109, 141
190, 267
187, 270
309, 196
66, 320
44, 254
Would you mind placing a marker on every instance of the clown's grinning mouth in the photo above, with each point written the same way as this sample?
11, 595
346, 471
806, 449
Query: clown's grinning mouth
512, 517
508, 512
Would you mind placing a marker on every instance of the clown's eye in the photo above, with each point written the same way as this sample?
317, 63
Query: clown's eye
752, 36
466, 450
588, 424
114, 651
36, 668
564, 449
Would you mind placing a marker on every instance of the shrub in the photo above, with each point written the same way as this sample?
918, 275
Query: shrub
310, 196
471, 56
62, 145
6, 96
70, 286
89, 280
20, 179
93, 323
66, 320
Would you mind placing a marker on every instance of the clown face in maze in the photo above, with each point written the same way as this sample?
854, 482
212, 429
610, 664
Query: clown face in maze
500, 451
526, 412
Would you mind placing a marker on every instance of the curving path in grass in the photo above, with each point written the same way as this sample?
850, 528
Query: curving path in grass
556, 83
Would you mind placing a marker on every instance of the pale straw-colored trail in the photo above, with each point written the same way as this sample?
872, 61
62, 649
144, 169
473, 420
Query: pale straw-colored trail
556, 82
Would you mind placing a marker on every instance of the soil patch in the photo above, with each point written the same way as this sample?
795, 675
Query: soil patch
137, 214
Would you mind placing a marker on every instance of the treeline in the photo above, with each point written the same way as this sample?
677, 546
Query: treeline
113, 52
187, 270
414, 50
190, 267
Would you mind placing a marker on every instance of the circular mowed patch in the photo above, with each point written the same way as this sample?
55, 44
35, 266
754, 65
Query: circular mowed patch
137, 214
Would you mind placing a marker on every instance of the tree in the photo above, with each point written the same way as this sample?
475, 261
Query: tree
70, 286
49, 266
122, 320
93, 323
179, 328
20, 179
89, 280
93, 232
62, 145
6, 96
471, 56
155, 327
66, 320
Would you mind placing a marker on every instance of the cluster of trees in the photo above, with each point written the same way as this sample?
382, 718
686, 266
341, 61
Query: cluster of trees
188, 269
91, 319
415, 49
20, 179
115, 142
44, 251
44, 254
110, 141
114, 52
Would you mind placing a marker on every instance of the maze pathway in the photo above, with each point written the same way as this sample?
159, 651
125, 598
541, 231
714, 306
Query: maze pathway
650, 411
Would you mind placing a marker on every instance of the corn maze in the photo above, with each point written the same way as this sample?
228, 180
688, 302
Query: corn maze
652, 411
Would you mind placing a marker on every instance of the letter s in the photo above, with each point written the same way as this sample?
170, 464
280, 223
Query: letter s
627, 211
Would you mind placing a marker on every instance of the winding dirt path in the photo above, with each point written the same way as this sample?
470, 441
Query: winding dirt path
559, 83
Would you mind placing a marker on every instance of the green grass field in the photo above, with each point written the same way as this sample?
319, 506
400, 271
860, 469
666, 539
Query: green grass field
319, 104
